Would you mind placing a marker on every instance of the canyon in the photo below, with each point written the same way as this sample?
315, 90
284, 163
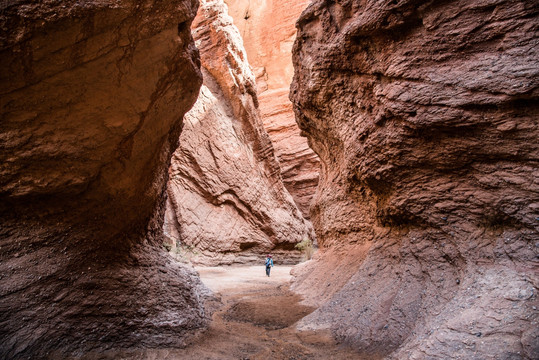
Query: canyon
422, 118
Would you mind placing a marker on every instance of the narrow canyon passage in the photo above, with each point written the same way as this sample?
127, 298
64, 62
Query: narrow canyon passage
140, 138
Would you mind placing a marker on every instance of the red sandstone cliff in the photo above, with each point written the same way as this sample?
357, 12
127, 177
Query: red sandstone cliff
425, 117
267, 29
91, 99
227, 200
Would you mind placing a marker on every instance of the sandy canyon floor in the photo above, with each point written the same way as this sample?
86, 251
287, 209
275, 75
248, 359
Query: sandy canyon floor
255, 319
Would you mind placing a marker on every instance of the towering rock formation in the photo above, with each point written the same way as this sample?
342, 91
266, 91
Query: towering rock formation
425, 116
267, 28
92, 97
227, 200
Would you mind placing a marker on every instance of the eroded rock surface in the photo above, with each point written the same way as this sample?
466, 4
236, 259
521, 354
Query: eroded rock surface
227, 199
425, 117
268, 32
92, 97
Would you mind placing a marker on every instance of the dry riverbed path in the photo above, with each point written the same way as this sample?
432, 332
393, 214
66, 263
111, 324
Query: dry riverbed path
255, 319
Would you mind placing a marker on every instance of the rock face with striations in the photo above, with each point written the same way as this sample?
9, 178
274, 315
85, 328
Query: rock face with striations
267, 29
425, 116
92, 98
227, 200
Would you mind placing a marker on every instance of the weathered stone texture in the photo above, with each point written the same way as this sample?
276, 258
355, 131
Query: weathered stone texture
225, 189
92, 94
267, 29
425, 116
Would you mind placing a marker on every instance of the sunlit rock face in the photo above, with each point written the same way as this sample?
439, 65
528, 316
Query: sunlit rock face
268, 32
92, 98
227, 200
425, 117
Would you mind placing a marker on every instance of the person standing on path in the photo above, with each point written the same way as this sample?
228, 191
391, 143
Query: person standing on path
269, 265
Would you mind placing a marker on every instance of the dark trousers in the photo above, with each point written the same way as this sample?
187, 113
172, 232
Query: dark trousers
268, 268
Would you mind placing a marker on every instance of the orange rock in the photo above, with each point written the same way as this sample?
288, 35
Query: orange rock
268, 32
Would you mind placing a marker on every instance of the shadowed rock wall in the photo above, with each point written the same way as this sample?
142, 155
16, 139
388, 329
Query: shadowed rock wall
92, 98
227, 200
425, 117
267, 29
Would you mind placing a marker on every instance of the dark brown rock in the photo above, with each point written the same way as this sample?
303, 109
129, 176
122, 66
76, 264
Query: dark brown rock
92, 97
227, 199
425, 117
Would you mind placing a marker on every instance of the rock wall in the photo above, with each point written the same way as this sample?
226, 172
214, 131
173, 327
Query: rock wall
268, 32
228, 203
425, 117
92, 97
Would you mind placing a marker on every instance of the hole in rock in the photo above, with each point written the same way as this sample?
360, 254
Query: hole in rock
247, 245
183, 27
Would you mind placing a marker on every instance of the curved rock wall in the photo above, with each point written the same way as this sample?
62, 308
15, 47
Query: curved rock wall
425, 117
267, 29
92, 97
227, 199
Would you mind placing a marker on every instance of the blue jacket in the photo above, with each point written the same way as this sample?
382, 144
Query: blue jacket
269, 262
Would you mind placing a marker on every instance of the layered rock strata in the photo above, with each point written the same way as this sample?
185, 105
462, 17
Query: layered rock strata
267, 29
227, 200
425, 117
92, 97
